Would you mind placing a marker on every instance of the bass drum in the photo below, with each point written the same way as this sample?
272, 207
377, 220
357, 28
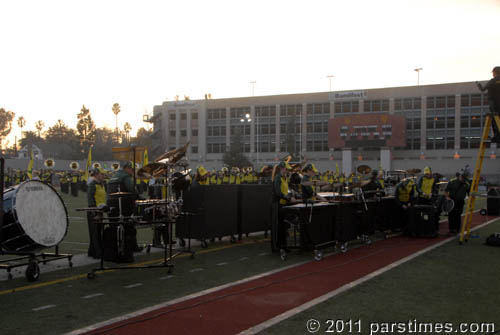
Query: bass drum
35, 217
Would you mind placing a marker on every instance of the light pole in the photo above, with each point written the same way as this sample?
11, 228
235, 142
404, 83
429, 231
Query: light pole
253, 82
330, 77
244, 120
418, 75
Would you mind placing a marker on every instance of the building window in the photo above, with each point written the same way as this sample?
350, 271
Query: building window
172, 133
183, 116
194, 116
172, 116
194, 149
194, 132
183, 133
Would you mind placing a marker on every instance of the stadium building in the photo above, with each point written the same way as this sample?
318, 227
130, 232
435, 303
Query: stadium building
393, 128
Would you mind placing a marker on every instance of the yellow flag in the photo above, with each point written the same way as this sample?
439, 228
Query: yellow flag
146, 158
30, 166
89, 164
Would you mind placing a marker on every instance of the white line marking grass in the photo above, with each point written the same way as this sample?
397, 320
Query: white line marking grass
41, 308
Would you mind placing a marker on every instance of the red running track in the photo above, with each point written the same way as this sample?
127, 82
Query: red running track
264, 298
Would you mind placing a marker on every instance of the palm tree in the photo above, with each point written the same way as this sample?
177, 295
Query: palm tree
116, 111
21, 122
39, 125
127, 128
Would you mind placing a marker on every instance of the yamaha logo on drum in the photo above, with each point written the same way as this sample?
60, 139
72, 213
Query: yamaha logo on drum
33, 188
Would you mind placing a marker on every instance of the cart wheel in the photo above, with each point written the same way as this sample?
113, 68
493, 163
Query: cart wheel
343, 247
32, 271
483, 212
91, 275
282, 254
182, 242
318, 255
233, 239
204, 244
148, 249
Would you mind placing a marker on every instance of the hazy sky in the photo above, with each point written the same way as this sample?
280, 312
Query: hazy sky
56, 56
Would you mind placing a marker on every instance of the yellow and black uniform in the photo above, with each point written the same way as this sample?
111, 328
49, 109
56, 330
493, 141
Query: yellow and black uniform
403, 196
426, 187
74, 184
201, 177
96, 196
281, 198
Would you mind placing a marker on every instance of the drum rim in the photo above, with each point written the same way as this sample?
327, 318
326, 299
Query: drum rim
14, 209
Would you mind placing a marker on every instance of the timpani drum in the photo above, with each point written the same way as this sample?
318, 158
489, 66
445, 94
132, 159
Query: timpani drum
35, 217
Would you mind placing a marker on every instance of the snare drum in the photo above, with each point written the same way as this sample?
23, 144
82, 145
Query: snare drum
35, 217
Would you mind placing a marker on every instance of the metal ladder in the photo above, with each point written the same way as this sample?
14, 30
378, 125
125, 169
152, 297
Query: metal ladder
466, 225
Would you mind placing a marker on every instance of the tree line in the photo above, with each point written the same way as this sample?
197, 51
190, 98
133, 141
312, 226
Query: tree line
77, 141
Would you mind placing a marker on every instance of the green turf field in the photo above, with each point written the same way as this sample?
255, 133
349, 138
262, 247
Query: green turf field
436, 284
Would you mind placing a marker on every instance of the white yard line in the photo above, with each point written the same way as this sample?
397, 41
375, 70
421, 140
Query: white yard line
43, 307
90, 296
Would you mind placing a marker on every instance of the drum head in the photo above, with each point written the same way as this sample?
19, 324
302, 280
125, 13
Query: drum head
41, 213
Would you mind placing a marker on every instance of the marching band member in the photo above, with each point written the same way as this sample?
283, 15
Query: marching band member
457, 189
404, 196
426, 187
96, 196
281, 198
308, 193
201, 177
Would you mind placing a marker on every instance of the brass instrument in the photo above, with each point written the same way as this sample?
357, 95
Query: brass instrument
96, 165
173, 156
413, 171
364, 169
74, 166
115, 166
49, 163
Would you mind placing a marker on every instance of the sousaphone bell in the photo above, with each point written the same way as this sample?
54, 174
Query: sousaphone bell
74, 166
49, 163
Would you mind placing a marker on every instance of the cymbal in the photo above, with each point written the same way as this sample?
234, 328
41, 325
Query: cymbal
150, 169
315, 183
413, 171
119, 193
364, 169
360, 184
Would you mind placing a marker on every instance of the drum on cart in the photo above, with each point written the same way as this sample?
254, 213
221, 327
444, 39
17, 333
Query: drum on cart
35, 217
